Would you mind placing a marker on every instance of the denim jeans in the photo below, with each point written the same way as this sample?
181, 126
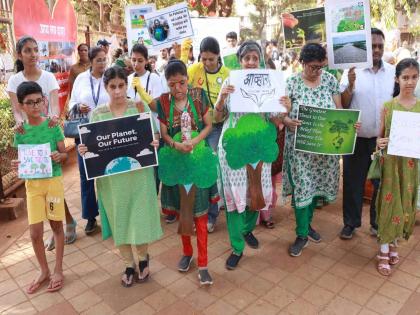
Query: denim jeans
87, 191
213, 141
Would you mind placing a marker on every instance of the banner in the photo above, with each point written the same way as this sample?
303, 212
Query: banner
326, 131
55, 33
257, 91
303, 26
169, 25
118, 145
404, 137
135, 25
35, 161
349, 39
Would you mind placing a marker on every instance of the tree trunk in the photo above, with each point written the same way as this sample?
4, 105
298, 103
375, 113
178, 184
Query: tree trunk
255, 186
186, 216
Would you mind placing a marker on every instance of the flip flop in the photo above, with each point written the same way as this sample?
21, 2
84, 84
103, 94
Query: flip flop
55, 286
34, 286
50, 244
70, 237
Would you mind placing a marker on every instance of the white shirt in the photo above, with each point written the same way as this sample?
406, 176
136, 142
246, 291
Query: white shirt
417, 91
371, 91
82, 92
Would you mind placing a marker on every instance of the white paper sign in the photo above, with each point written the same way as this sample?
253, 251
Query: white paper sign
135, 24
35, 161
349, 39
169, 25
404, 138
257, 91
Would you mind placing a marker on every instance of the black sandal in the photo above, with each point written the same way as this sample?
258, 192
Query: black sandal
129, 273
143, 265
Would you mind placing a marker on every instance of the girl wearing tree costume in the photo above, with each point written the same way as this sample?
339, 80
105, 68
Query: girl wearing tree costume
127, 202
181, 167
245, 186
397, 197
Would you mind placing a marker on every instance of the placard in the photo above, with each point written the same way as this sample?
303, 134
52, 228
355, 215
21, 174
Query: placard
118, 145
35, 161
304, 26
169, 25
257, 91
349, 38
230, 58
404, 137
135, 25
326, 131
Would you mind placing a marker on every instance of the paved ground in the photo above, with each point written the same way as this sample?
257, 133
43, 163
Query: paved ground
333, 277
349, 54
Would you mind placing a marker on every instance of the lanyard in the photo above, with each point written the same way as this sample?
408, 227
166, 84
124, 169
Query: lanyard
95, 100
208, 89
171, 113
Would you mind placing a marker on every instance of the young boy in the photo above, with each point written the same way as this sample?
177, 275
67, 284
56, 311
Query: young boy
45, 197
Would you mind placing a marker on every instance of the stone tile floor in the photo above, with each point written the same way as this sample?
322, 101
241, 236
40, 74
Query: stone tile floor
332, 277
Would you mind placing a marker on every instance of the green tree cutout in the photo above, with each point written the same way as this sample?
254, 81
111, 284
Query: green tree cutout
188, 171
249, 144
339, 127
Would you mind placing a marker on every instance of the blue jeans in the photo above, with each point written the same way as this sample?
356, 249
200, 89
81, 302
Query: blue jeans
213, 141
87, 191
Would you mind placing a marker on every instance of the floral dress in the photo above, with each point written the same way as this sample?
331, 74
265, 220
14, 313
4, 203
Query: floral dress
397, 197
308, 175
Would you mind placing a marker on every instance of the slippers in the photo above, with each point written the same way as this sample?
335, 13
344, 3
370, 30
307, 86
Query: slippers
55, 285
50, 243
35, 285
70, 234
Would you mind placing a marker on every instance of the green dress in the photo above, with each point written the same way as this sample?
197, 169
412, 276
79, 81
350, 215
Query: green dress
127, 202
397, 197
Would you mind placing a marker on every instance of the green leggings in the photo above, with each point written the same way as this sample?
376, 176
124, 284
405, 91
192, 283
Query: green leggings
239, 224
304, 218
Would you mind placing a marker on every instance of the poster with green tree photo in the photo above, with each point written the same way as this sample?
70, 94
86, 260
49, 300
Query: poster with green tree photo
326, 131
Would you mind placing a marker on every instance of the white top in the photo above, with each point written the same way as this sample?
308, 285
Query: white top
417, 92
82, 91
371, 91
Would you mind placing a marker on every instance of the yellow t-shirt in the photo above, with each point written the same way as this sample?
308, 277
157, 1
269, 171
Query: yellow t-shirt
197, 77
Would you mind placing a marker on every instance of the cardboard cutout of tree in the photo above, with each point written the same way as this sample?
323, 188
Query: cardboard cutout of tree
188, 171
251, 143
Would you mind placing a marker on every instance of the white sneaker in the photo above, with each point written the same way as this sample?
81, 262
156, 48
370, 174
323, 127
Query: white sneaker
210, 227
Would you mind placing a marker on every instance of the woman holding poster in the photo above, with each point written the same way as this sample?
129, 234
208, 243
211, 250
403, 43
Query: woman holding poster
308, 176
127, 201
397, 196
235, 187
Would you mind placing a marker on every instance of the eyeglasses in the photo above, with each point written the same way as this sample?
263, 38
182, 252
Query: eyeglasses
38, 102
315, 68
377, 46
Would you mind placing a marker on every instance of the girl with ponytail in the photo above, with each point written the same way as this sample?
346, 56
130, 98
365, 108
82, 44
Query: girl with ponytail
397, 196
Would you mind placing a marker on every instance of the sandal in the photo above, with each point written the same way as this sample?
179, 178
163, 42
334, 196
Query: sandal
394, 258
50, 243
55, 284
36, 284
70, 234
383, 268
128, 276
144, 270
269, 224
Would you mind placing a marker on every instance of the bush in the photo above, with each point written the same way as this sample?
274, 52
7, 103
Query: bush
7, 123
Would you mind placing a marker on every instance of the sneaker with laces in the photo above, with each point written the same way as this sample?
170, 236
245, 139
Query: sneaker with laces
204, 277
313, 235
251, 240
347, 232
296, 248
170, 218
185, 263
233, 261
91, 226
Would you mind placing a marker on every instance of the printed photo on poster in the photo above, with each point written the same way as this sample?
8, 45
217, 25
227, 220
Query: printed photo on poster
169, 25
257, 91
304, 26
35, 161
326, 131
230, 58
118, 145
404, 137
135, 24
349, 39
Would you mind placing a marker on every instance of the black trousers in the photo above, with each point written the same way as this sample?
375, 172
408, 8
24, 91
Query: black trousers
355, 169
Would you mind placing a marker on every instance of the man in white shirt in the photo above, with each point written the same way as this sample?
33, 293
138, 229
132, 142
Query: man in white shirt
417, 91
367, 90
232, 40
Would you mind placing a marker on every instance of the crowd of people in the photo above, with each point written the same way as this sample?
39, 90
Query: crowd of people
175, 84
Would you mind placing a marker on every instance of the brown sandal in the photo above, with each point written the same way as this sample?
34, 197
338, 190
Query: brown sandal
394, 258
383, 268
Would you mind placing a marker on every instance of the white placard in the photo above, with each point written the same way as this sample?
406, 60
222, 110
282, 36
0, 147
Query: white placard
169, 25
257, 91
135, 24
34, 161
404, 138
349, 39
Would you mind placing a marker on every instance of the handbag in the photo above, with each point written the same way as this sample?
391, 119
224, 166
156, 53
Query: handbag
375, 169
74, 119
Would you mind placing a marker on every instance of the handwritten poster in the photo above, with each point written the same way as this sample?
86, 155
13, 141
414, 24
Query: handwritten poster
135, 25
257, 91
326, 131
349, 39
35, 161
169, 25
404, 138
118, 145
